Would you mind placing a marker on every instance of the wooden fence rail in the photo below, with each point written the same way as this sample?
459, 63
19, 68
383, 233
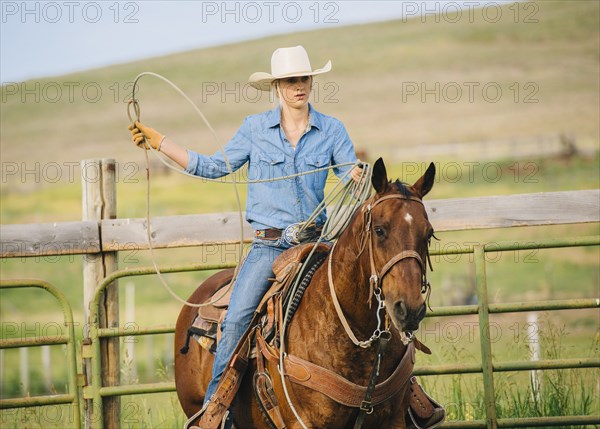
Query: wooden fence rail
109, 235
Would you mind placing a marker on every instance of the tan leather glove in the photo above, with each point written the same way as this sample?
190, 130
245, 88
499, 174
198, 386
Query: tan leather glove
139, 132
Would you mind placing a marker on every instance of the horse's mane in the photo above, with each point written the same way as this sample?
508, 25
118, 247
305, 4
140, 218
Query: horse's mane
403, 188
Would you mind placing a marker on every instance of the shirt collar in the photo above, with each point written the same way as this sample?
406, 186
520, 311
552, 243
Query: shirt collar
274, 117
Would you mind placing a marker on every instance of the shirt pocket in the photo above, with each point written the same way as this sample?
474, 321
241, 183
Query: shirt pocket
270, 165
317, 161
316, 181
272, 158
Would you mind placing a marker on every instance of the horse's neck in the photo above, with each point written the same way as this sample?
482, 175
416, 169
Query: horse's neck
351, 272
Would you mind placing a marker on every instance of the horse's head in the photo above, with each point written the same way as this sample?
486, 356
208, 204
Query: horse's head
398, 233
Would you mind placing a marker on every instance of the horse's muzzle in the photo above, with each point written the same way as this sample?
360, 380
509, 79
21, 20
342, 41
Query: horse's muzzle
408, 318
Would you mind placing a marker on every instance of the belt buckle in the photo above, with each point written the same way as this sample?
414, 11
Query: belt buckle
290, 234
259, 233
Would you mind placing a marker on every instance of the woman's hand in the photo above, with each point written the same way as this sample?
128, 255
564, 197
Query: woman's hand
140, 132
356, 173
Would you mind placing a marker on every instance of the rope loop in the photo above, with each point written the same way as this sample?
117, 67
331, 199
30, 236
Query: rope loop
136, 109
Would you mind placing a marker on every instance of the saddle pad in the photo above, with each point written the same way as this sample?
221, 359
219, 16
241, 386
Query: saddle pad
213, 312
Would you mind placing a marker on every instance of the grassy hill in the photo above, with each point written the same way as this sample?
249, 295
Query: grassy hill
527, 75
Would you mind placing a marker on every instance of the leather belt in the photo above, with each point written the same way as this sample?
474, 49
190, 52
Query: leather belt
268, 234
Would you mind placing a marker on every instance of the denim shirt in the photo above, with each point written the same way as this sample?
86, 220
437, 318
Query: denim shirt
261, 142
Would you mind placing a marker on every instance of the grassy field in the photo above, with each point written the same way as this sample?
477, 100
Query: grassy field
548, 74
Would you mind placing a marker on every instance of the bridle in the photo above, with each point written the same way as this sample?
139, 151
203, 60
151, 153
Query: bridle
376, 277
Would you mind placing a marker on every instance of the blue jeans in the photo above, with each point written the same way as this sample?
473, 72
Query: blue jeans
249, 288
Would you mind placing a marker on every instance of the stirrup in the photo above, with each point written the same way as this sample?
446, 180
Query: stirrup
424, 412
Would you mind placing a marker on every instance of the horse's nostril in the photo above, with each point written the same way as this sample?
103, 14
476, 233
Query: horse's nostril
409, 317
400, 309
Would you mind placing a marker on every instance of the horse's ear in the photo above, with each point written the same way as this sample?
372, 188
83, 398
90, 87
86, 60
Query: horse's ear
379, 178
425, 183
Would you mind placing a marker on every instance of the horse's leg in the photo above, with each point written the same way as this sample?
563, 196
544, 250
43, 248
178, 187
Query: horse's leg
398, 423
247, 413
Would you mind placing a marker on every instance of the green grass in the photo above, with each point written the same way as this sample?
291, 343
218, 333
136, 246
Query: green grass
175, 194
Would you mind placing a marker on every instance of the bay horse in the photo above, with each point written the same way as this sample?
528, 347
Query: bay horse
397, 224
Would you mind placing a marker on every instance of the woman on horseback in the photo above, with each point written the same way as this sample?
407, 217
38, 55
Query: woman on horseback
291, 138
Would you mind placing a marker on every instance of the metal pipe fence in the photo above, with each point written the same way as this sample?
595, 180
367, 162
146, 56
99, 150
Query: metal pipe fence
91, 348
483, 309
72, 396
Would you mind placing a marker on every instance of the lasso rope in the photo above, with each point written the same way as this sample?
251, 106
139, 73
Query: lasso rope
330, 231
350, 195
133, 102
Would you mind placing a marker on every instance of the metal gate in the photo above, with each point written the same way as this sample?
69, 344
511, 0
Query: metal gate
68, 339
483, 308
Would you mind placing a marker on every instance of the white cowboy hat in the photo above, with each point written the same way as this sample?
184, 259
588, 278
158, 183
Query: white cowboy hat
286, 62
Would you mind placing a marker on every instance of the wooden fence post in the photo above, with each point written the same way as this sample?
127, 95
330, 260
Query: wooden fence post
99, 201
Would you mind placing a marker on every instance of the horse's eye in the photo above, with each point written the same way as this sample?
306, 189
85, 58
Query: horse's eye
379, 231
